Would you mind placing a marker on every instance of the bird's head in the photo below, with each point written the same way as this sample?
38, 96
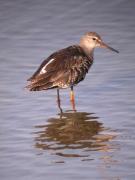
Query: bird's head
91, 40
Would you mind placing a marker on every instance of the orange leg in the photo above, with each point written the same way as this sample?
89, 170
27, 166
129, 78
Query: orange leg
72, 98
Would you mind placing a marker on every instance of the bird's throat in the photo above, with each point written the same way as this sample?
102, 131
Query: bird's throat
89, 50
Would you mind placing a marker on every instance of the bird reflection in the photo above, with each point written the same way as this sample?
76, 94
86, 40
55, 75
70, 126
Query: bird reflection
72, 130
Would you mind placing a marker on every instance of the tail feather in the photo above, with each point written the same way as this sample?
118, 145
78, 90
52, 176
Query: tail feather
43, 82
40, 83
46, 86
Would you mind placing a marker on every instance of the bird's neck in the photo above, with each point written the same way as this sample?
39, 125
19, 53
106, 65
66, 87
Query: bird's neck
89, 50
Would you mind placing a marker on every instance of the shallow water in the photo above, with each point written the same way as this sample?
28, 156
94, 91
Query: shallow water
96, 142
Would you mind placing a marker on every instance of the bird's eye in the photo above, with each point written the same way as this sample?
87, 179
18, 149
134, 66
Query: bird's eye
94, 39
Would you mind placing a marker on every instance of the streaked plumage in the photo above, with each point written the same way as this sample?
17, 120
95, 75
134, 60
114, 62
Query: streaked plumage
67, 67
62, 69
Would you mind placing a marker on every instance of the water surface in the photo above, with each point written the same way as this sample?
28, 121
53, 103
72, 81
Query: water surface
96, 142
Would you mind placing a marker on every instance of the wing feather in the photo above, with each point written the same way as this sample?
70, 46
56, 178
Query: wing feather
61, 66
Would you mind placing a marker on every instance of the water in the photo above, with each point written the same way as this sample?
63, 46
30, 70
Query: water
96, 142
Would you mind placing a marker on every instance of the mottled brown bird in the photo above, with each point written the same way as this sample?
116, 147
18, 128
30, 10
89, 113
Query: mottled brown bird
67, 67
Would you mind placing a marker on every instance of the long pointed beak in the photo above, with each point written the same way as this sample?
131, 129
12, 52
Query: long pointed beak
102, 44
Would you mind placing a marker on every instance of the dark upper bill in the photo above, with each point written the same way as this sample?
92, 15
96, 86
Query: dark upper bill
108, 47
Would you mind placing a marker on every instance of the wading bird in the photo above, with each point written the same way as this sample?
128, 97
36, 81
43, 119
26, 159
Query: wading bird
67, 67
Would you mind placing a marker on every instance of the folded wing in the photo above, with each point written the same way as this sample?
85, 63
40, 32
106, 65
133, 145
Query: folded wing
62, 69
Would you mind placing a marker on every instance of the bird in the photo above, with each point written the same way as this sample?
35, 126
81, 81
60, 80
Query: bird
67, 67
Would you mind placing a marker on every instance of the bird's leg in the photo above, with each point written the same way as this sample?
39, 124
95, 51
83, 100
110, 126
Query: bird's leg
58, 100
72, 98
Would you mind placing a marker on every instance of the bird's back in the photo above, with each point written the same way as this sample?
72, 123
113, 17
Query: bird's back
63, 69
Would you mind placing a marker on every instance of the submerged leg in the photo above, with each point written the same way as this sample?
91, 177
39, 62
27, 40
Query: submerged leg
58, 100
72, 98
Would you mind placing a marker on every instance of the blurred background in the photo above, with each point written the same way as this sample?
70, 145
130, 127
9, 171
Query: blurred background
96, 142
